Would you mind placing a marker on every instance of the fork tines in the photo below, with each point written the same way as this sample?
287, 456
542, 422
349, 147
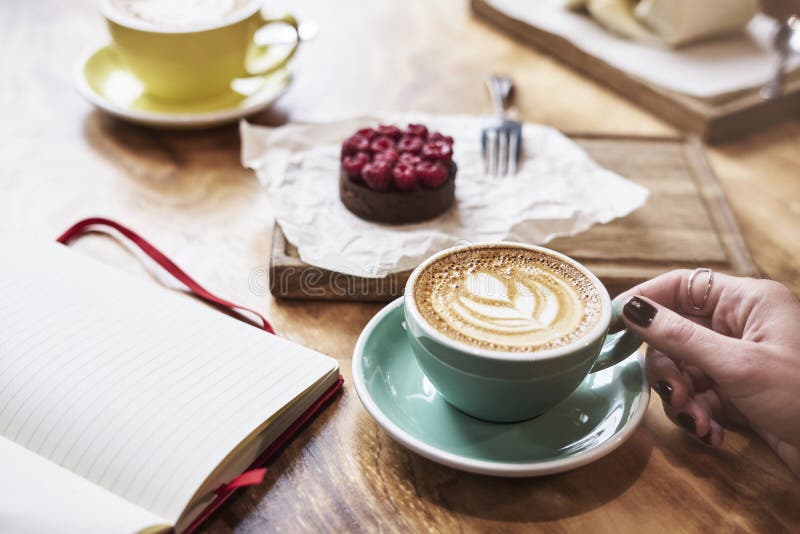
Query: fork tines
501, 148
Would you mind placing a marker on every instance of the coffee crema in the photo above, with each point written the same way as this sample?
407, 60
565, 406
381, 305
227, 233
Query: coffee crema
180, 14
507, 299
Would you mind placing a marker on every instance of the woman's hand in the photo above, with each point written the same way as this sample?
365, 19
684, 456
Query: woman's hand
736, 360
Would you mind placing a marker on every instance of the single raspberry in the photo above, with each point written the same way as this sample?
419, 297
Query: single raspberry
411, 159
353, 144
381, 143
390, 131
437, 151
353, 165
438, 136
391, 156
420, 130
404, 177
378, 175
410, 143
369, 133
431, 174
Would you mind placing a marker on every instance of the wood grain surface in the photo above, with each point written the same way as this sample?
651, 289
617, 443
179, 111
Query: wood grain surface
187, 192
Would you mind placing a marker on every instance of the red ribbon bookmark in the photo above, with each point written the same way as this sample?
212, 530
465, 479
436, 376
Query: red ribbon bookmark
248, 478
87, 225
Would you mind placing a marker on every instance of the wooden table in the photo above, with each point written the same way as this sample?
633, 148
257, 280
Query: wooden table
61, 161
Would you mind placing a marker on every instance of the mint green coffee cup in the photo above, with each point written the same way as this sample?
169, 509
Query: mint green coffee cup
196, 62
506, 386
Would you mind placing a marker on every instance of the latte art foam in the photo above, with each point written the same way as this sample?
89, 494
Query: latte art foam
507, 299
179, 14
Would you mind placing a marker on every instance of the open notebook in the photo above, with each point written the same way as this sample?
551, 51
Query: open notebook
124, 406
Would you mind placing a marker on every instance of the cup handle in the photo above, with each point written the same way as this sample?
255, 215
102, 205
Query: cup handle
619, 344
262, 55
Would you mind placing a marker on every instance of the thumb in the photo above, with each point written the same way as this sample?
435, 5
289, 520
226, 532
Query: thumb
675, 335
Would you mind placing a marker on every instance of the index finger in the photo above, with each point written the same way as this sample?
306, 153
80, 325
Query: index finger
672, 291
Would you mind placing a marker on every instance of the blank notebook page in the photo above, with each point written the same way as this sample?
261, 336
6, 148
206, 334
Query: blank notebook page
40, 497
136, 388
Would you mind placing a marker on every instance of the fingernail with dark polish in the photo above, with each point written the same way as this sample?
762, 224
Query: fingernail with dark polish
707, 439
639, 311
664, 391
687, 422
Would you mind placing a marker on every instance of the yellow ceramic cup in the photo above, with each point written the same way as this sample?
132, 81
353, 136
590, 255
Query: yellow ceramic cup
198, 63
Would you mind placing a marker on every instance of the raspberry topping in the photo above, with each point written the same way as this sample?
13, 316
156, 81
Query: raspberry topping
391, 156
431, 174
404, 177
410, 143
390, 131
386, 158
353, 144
407, 157
369, 133
353, 165
378, 175
437, 151
382, 143
418, 130
438, 136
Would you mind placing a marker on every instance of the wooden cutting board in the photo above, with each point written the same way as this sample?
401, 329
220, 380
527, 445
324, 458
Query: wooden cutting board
714, 121
686, 223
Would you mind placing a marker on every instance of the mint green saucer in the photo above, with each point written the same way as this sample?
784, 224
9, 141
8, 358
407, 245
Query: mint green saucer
596, 419
104, 81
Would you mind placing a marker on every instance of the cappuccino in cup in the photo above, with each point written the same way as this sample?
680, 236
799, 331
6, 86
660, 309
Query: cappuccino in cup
507, 299
505, 331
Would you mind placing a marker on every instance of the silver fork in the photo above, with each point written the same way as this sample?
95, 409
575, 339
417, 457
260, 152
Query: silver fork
501, 140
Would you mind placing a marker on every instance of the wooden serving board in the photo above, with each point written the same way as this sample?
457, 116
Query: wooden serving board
713, 120
686, 223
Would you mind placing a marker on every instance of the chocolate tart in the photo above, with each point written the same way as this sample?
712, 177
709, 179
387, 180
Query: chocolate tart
397, 207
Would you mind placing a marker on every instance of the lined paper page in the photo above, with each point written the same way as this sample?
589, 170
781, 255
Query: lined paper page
136, 388
38, 496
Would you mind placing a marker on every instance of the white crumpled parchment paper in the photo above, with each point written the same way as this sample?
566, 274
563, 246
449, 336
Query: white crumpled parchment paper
558, 191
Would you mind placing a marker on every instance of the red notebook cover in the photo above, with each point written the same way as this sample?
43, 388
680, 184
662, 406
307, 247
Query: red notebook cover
255, 473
